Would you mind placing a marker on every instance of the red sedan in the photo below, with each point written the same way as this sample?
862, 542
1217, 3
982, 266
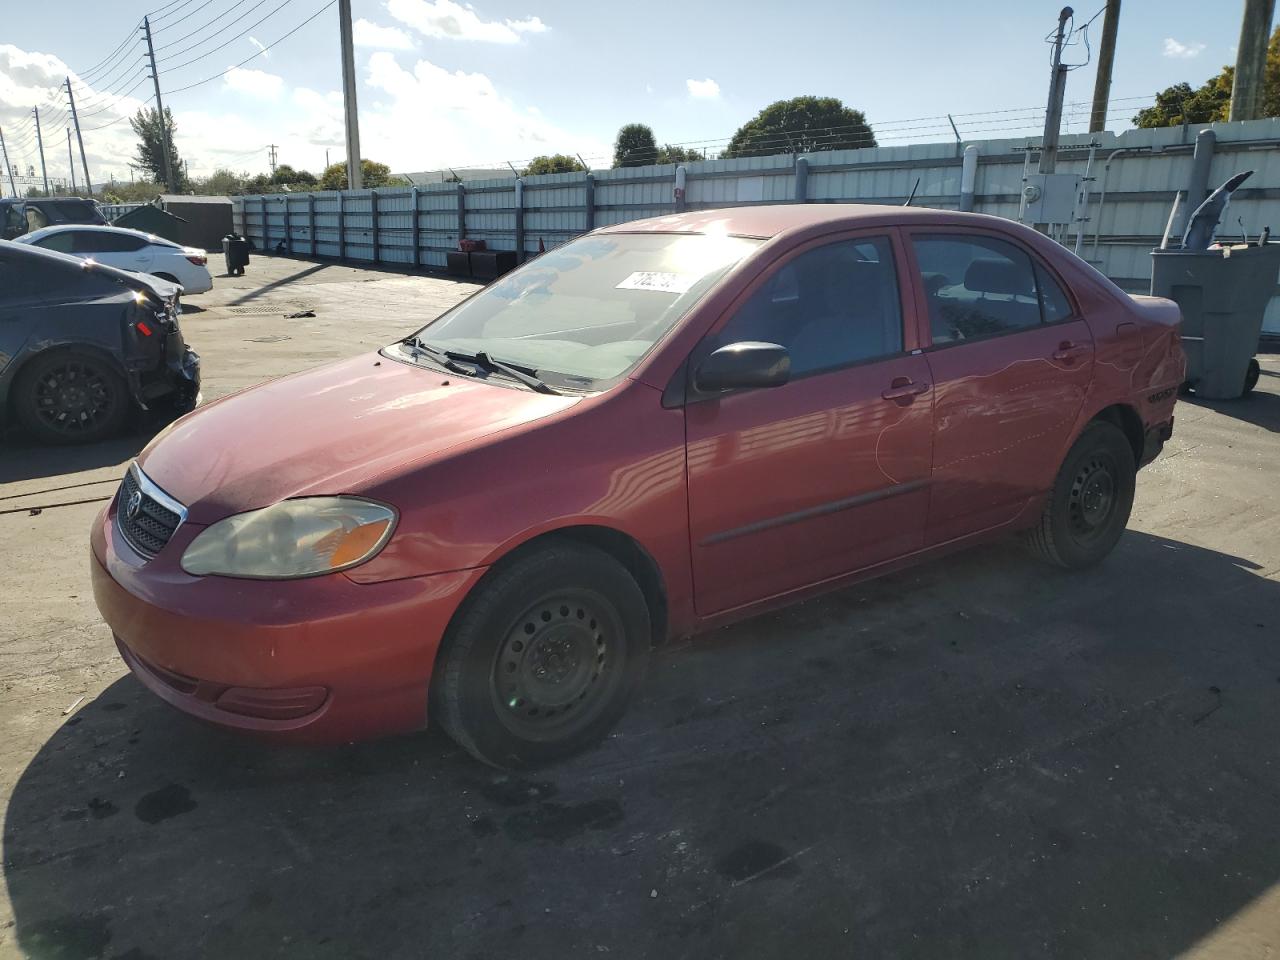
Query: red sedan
655, 429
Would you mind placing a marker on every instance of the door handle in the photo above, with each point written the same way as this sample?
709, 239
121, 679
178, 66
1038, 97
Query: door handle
904, 390
1068, 352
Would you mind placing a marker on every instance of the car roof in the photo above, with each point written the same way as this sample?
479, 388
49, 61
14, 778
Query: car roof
95, 228
770, 220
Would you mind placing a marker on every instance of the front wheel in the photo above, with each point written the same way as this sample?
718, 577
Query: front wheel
542, 658
1089, 506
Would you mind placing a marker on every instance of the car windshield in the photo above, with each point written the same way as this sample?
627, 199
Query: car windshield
592, 308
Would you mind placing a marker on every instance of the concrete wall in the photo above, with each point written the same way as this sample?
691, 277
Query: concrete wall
416, 226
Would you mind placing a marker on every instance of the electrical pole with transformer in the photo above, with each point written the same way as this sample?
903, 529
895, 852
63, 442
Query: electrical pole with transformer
165, 147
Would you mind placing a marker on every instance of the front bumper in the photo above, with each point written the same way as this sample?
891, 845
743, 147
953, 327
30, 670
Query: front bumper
320, 660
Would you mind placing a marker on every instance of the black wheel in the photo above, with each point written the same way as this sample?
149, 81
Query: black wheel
1089, 505
541, 660
1251, 377
70, 397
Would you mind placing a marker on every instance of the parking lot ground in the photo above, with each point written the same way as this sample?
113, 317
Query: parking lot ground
981, 757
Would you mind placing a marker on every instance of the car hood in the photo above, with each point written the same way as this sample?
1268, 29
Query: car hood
337, 429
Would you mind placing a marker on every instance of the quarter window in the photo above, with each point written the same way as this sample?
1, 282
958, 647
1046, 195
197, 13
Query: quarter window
61, 241
979, 287
1054, 305
830, 307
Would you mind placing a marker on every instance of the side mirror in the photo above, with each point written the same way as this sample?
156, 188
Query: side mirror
749, 363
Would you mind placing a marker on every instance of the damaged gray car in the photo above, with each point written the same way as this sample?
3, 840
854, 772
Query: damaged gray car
83, 346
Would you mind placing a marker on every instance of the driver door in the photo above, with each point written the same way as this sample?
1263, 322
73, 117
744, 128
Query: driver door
827, 474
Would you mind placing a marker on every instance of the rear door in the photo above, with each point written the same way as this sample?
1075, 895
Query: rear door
1011, 360
122, 250
793, 485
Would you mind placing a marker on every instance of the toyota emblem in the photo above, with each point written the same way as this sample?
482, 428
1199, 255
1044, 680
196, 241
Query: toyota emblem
134, 506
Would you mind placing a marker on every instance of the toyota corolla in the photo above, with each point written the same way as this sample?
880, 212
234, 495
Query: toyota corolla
660, 427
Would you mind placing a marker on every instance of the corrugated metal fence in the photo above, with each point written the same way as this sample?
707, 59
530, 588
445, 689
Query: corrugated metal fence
1140, 171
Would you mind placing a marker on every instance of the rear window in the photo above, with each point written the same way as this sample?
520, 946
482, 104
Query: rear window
70, 211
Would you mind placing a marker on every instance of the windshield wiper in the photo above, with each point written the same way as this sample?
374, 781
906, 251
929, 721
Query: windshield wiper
522, 374
441, 357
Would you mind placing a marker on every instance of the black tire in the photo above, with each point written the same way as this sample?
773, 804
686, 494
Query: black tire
542, 658
1089, 506
69, 396
1251, 377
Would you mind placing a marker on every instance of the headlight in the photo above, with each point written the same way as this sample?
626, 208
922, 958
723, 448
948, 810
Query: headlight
293, 538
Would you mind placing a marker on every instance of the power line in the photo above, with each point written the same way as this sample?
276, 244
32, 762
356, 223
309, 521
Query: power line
130, 40
260, 52
204, 26
166, 16
225, 43
116, 105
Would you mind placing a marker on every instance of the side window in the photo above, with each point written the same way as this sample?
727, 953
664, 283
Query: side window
830, 307
61, 241
1054, 305
102, 241
976, 286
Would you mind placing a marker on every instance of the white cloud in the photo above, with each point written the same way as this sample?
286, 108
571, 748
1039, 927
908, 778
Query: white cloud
369, 34
1181, 51
258, 83
444, 19
706, 89
262, 47
458, 118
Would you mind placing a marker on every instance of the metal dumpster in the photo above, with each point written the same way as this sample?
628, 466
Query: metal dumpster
1223, 292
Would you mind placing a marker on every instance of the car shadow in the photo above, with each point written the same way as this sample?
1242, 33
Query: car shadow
22, 458
983, 758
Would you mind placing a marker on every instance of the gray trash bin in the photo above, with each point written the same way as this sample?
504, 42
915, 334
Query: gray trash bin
1222, 293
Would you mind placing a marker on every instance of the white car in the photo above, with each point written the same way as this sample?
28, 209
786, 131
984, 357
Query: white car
129, 250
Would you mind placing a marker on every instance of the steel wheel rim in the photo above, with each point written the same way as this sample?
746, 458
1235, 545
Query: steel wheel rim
1094, 497
558, 664
73, 397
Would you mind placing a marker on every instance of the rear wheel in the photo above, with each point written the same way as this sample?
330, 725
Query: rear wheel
542, 658
70, 397
1089, 506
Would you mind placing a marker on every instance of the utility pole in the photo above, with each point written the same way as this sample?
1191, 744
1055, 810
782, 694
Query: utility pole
1251, 59
165, 146
71, 161
40, 143
71, 100
1057, 89
354, 174
8, 167
1106, 58
271, 150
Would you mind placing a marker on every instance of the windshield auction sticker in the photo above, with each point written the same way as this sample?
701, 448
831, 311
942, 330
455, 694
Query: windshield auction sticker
661, 282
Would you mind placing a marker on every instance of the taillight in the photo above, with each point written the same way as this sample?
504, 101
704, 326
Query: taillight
142, 328
199, 261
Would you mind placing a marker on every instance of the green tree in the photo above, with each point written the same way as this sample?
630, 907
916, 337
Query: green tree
373, 173
1211, 101
801, 125
670, 154
222, 182
555, 163
286, 174
150, 130
635, 146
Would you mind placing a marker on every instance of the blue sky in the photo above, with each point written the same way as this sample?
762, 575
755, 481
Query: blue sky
448, 83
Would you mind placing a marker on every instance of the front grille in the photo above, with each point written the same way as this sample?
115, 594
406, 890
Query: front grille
148, 527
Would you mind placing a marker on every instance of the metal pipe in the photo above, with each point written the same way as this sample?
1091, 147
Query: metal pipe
1082, 204
1102, 196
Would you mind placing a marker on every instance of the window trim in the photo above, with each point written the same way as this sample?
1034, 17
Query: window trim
906, 305
925, 329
